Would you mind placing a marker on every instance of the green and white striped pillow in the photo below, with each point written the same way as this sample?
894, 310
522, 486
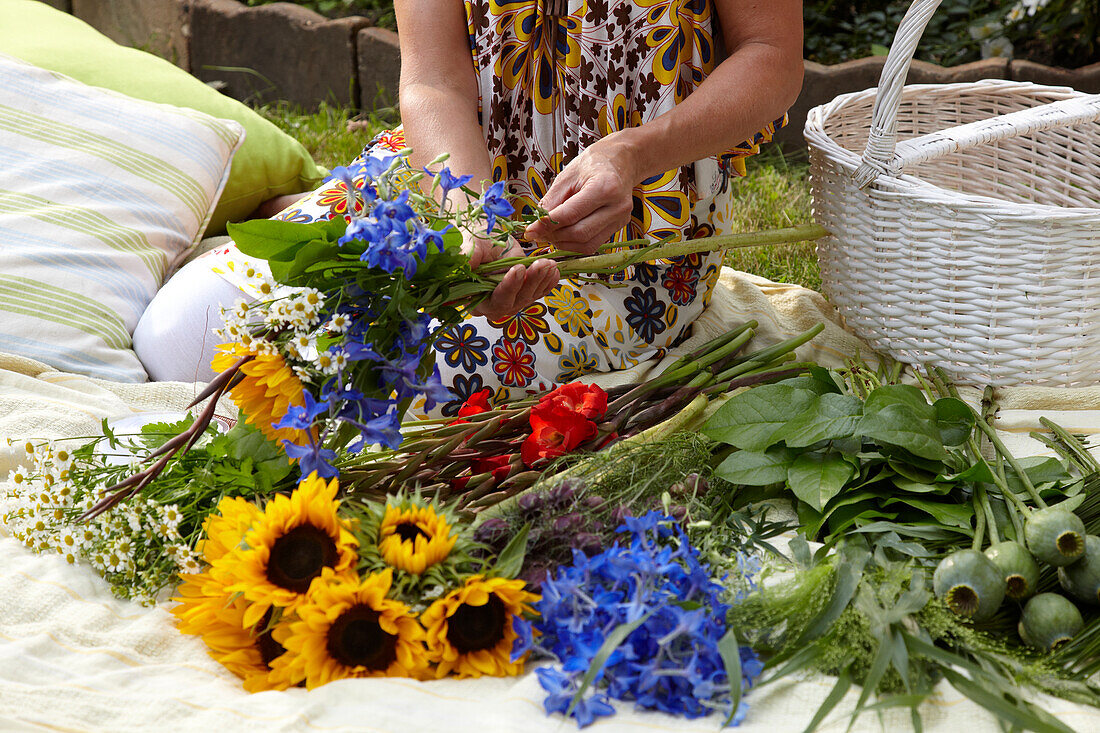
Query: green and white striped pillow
101, 196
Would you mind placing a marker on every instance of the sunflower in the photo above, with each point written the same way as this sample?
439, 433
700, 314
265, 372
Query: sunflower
268, 389
288, 546
470, 630
413, 538
208, 609
348, 628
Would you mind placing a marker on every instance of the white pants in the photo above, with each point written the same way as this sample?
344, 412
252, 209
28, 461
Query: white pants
174, 338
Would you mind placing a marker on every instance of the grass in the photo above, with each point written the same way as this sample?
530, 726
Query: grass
774, 194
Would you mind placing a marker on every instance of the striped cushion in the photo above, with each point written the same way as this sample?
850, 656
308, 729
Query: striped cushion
101, 196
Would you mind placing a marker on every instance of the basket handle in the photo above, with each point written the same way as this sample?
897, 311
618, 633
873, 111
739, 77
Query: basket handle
884, 119
1076, 110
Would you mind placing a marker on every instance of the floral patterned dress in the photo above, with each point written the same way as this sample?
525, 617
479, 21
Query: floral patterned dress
554, 76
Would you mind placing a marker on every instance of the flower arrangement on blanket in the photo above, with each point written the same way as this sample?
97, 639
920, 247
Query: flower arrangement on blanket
338, 345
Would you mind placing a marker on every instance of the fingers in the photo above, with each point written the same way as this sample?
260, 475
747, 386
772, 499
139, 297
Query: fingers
520, 287
595, 230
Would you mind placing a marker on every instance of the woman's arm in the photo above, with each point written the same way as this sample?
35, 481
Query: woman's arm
438, 98
758, 81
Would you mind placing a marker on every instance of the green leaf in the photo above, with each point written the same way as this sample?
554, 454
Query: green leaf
730, 652
900, 425
979, 472
947, 514
264, 238
849, 571
815, 478
749, 420
1020, 713
510, 560
830, 417
899, 394
919, 487
611, 643
840, 689
750, 468
955, 420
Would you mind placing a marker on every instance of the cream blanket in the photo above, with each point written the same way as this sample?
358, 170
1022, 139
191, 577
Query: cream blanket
76, 658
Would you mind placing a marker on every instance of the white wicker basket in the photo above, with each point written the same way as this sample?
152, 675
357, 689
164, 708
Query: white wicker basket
966, 234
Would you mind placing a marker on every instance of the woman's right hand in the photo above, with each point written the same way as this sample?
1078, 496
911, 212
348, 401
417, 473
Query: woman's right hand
521, 285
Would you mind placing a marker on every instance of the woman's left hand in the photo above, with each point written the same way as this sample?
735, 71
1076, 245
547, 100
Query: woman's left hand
591, 198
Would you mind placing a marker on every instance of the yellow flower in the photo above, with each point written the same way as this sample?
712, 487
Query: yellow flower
266, 392
288, 546
207, 608
348, 628
413, 538
470, 632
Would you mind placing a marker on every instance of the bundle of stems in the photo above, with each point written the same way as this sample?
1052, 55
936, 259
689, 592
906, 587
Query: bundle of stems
615, 257
441, 456
462, 296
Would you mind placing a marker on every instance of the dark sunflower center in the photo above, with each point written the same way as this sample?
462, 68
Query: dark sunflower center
408, 532
1016, 586
298, 557
355, 639
472, 628
962, 600
267, 646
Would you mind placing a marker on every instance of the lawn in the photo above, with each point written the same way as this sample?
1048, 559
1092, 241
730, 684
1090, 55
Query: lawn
774, 194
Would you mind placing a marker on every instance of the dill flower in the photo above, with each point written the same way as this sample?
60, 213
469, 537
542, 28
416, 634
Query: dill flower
269, 388
472, 630
414, 537
349, 628
287, 547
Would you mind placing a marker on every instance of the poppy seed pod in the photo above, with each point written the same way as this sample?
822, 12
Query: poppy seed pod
1055, 536
970, 584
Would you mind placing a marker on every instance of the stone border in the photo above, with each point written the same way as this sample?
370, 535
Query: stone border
284, 51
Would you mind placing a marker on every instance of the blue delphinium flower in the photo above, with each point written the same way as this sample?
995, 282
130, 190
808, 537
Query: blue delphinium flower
312, 458
494, 204
670, 660
302, 417
448, 182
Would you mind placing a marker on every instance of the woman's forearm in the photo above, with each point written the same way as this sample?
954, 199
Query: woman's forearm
440, 120
754, 86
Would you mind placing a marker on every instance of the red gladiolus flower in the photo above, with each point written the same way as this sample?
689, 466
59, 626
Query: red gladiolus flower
587, 400
476, 403
555, 430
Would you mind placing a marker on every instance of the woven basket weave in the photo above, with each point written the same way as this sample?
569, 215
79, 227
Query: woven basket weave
964, 221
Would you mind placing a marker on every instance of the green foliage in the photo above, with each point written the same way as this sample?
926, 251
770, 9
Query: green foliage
1061, 33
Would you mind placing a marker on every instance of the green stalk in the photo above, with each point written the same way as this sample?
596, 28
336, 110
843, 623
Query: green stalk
621, 260
990, 520
1073, 444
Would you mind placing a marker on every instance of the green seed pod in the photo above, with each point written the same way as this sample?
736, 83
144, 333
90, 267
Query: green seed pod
1055, 536
1017, 567
1081, 579
1049, 621
970, 584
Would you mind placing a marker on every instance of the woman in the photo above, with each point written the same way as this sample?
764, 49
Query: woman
623, 120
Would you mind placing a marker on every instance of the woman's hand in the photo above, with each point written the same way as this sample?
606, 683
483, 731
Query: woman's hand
591, 198
521, 285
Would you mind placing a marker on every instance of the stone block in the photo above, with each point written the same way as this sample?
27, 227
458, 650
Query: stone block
1085, 79
379, 68
275, 52
822, 84
156, 26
